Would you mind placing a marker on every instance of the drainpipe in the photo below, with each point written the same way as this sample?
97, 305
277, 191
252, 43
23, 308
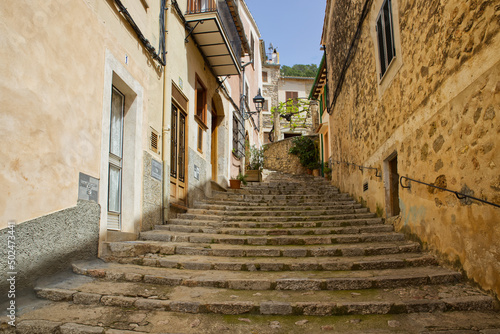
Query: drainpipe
165, 131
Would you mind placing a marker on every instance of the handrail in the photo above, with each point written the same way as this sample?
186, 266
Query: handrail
359, 166
458, 194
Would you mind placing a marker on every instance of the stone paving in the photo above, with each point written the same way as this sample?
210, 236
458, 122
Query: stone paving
290, 255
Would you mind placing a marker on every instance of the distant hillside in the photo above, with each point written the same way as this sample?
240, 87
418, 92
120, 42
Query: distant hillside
299, 70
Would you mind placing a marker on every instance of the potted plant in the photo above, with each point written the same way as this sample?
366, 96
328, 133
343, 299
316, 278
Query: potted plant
327, 171
255, 164
314, 167
235, 183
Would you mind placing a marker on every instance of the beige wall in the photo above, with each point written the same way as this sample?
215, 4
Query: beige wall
438, 110
52, 96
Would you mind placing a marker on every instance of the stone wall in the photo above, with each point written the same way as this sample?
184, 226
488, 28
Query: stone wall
49, 244
435, 112
277, 158
152, 205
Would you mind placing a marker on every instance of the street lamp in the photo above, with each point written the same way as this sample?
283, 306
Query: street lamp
258, 100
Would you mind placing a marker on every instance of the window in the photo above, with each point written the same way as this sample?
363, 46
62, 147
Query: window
266, 106
235, 134
293, 96
201, 102
246, 94
385, 37
200, 139
264, 76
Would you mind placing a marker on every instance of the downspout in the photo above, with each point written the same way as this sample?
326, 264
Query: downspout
242, 100
165, 130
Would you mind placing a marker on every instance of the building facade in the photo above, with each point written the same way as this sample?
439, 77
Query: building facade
119, 133
413, 93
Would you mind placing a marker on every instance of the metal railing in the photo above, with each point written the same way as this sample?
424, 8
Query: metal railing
459, 195
377, 174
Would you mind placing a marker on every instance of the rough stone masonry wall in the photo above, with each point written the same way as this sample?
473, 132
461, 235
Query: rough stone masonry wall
277, 158
440, 115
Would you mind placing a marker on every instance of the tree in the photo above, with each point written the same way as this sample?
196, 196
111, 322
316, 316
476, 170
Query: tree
299, 70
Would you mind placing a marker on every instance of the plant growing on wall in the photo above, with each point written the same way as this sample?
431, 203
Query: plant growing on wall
306, 150
256, 160
296, 112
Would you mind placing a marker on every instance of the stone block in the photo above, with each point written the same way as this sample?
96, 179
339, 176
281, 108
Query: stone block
298, 284
249, 284
86, 298
162, 280
55, 294
72, 328
275, 308
120, 301
37, 326
295, 252
263, 252
230, 307
152, 304
133, 277
185, 307
197, 266
348, 283
314, 308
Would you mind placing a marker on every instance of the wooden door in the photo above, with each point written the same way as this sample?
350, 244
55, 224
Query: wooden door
178, 182
213, 157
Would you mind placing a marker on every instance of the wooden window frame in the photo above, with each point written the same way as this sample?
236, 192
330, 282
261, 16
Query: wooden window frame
384, 28
201, 119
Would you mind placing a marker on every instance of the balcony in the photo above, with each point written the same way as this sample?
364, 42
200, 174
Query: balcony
215, 32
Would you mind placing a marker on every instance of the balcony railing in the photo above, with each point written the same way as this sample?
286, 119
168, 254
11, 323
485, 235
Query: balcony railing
222, 9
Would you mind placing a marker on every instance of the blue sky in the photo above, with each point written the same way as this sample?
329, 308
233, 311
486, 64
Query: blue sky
293, 26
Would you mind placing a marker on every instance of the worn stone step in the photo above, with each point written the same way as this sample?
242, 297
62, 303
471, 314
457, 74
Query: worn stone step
250, 218
284, 191
288, 224
260, 280
282, 203
276, 231
160, 235
294, 197
194, 300
141, 248
194, 262
277, 213
223, 207
99, 318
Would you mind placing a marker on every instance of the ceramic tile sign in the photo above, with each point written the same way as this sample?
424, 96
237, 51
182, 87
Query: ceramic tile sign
88, 188
197, 172
156, 170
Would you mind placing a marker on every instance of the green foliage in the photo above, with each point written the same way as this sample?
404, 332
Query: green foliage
256, 160
299, 70
242, 178
295, 112
306, 150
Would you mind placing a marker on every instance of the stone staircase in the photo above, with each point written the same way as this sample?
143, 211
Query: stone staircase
293, 246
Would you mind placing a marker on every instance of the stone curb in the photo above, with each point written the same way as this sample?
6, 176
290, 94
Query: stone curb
125, 249
270, 241
288, 264
341, 283
481, 303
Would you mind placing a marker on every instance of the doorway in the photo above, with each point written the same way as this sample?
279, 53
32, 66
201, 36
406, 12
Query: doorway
393, 189
214, 144
178, 190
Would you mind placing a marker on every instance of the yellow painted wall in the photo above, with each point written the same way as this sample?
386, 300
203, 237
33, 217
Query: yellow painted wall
51, 93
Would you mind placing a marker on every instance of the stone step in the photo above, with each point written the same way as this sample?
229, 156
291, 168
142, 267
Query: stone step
249, 218
294, 197
270, 280
141, 248
276, 213
194, 262
196, 300
263, 203
283, 191
199, 205
159, 235
276, 231
288, 224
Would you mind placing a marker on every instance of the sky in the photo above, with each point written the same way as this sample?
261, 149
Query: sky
293, 27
